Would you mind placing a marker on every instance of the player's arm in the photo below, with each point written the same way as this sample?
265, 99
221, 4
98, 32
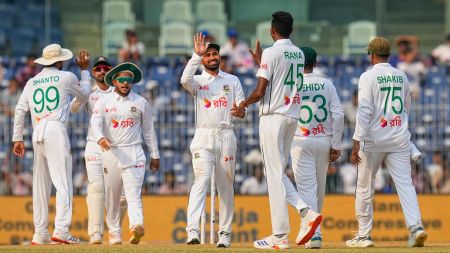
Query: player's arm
239, 95
97, 122
187, 78
337, 115
21, 110
149, 134
83, 88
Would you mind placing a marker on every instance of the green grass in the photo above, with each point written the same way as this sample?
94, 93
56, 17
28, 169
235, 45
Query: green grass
337, 247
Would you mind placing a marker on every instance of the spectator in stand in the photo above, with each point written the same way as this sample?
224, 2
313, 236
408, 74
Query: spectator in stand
436, 171
8, 101
209, 38
350, 110
420, 179
21, 181
238, 53
408, 60
170, 186
256, 184
28, 71
132, 49
348, 174
441, 53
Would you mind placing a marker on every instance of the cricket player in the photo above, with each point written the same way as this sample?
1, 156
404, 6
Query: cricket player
120, 122
214, 145
95, 198
46, 96
280, 79
381, 133
317, 140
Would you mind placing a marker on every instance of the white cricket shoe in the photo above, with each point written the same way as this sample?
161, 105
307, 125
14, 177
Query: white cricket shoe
64, 237
115, 238
360, 242
417, 237
193, 237
224, 240
96, 238
39, 239
272, 242
314, 243
308, 227
136, 233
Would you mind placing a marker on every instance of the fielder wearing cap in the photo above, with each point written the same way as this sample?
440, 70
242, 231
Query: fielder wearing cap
121, 121
46, 97
381, 134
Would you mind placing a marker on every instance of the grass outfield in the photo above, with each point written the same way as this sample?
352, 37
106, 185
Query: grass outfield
397, 247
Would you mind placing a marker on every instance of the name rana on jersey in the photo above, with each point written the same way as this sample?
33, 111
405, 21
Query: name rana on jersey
44, 80
389, 79
292, 55
313, 86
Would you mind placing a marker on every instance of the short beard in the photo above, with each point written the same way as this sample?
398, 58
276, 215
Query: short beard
212, 68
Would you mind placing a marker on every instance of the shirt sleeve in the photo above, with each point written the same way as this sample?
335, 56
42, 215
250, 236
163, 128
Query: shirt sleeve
148, 131
82, 91
21, 110
97, 120
266, 67
365, 108
187, 78
239, 96
337, 115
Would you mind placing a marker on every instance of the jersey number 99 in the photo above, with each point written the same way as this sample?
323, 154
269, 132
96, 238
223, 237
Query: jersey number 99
46, 99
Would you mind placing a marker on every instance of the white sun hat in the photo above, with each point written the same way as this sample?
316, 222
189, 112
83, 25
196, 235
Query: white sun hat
53, 53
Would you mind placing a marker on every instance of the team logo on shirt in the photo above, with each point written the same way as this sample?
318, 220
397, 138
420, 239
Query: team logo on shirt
112, 109
207, 103
228, 158
226, 88
196, 156
91, 158
305, 131
263, 66
133, 109
318, 130
383, 122
287, 100
123, 123
115, 123
206, 87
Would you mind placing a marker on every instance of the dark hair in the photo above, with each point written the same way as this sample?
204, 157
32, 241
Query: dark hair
282, 23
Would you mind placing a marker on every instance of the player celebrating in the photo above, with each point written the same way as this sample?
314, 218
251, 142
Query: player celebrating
214, 145
317, 139
46, 96
280, 77
118, 121
381, 133
95, 198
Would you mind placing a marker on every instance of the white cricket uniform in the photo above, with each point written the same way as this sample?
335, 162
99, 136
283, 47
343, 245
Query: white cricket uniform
282, 65
126, 122
214, 144
47, 97
95, 198
319, 128
382, 129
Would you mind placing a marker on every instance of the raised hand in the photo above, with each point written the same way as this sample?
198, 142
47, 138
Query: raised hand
199, 44
83, 59
257, 54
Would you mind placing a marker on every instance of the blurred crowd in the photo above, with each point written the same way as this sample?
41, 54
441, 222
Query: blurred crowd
428, 177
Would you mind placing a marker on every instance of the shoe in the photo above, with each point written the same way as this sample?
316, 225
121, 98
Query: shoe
360, 242
272, 242
193, 237
308, 227
417, 237
314, 243
136, 233
96, 238
64, 237
224, 240
115, 238
42, 240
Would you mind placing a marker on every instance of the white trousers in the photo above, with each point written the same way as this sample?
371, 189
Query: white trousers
310, 163
398, 165
129, 179
276, 133
52, 164
221, 160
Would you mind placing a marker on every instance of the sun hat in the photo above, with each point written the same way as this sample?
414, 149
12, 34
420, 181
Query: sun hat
53, 53
126, 66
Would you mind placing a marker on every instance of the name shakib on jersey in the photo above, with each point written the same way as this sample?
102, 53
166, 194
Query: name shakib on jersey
389, 79
44, 80
313, 86
292, 55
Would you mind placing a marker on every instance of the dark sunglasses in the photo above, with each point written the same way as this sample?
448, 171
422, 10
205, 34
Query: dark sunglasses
99, 68
124, 79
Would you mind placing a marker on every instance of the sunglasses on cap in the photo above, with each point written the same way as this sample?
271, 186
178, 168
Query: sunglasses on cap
99, 68
124, 79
